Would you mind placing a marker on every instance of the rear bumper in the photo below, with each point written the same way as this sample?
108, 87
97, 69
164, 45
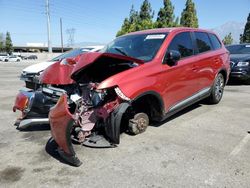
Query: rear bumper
34, 107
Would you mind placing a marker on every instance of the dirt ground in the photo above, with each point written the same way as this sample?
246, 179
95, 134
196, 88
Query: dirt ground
203, 146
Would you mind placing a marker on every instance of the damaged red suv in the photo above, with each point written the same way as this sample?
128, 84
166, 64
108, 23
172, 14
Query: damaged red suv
138, 79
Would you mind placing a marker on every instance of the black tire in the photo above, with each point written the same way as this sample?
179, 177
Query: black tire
247, 81
18, 60
217, 90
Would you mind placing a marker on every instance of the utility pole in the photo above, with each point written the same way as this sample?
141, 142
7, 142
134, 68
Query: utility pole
61, 34
48, 26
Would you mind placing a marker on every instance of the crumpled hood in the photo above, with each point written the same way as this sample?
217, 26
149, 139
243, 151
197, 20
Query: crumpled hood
38, 67
90, 58
239, 57
58, 74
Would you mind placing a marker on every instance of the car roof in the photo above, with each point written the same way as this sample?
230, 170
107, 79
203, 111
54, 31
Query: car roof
169, 30
243, 44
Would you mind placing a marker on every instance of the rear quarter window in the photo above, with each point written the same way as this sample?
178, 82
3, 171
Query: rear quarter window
203, 42
215, 41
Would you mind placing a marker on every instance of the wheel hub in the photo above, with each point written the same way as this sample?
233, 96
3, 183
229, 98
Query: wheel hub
139, 123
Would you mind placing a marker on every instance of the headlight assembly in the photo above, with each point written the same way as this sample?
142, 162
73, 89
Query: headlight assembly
242, 64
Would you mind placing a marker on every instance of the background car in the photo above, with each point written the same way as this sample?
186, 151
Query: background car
14, 58
240, 62
29, 57
4, 57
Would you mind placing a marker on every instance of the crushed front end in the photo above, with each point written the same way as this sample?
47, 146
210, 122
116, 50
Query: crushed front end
94, 121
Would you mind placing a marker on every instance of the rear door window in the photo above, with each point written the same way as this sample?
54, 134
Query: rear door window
215, 41
183, 43
203, 42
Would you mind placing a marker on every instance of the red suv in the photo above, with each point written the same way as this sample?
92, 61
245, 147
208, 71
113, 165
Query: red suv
136, 80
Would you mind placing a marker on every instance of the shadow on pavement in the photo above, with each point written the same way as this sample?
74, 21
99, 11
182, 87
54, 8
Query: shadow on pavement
31, 128
178, 114
52, 149
237, 83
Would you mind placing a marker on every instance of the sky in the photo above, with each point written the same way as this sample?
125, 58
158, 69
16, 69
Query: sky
99, 20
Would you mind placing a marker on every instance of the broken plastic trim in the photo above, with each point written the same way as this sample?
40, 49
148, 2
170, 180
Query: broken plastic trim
113, 126
70, 158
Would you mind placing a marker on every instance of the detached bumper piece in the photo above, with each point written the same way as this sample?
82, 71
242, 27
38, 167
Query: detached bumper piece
61, 123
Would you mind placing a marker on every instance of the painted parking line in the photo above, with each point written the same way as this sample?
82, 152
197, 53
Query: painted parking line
240, 146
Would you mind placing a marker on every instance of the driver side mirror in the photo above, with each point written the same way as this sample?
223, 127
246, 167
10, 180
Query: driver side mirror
172, 57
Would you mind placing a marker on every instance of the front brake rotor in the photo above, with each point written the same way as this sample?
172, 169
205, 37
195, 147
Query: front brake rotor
139, 123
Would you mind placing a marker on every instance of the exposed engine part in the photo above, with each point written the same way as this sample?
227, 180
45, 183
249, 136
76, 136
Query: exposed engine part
139, 123
79, 135
94, 107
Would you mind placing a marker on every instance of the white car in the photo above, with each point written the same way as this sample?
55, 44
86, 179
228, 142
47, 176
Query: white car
14, 58
31, 73
4, 57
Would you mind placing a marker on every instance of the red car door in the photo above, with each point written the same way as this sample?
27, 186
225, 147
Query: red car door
179, 80
207, 60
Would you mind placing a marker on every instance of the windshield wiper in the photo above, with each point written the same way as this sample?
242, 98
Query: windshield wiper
121, 51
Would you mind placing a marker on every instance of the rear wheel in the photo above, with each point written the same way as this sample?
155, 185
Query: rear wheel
217, 89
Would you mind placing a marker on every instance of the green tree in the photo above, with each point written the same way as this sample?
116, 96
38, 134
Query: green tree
124, 29
228, 39
189, 16
138, 21
246, 34
241, 38
145, 18
1, 42
129, 24
8, 43
166, 16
